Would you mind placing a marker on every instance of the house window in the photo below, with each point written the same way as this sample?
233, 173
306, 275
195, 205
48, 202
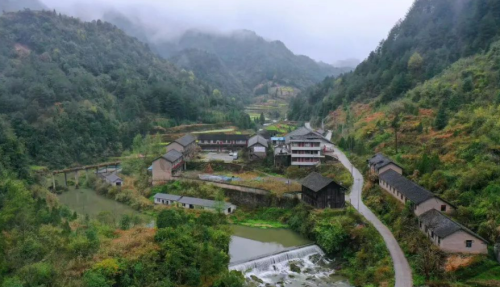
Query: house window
439, 241
432, 234
443, 207
468, 243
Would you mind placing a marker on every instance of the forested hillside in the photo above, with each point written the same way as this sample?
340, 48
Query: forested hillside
434, 34
75, 92
428, 97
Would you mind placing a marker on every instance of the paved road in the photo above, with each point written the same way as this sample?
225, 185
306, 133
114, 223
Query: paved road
401, 266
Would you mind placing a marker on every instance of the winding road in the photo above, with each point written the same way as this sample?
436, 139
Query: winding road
401, 267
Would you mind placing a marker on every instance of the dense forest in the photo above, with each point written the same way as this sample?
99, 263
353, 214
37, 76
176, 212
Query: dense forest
76, 91
433, 35
429, 97
236, 63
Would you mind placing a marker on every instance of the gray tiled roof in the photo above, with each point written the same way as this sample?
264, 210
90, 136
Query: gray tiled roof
201, 202
112, 177
444, 226
168, 196
303, 131
282, 150
257, 139
379, 160
315, 181
172, 155
408, 188
186, 140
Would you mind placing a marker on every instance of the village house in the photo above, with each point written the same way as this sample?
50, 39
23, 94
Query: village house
281, 156
166, 199
167, 166
111, 178
222, 142
322, 192
449, 235
194, 203
257, 147
406, 190
379, 163
185, 145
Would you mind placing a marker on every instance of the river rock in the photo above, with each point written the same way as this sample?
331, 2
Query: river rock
256, 279
294, 268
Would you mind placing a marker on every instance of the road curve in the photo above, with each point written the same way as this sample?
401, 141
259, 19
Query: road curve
402, 269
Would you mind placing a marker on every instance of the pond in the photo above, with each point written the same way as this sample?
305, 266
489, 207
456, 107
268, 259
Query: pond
87, 201
292, 265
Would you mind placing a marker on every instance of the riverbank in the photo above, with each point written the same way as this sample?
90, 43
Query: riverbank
342, 234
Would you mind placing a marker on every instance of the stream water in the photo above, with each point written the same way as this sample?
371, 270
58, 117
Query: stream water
87, 201
279, 261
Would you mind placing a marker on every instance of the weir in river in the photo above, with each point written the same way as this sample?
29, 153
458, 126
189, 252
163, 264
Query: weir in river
263, 263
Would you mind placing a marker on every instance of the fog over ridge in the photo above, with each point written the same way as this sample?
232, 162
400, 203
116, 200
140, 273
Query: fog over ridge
327, 31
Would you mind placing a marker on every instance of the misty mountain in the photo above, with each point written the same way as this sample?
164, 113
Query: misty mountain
243, 60
251, 59
347, 63
434, 35
16, 5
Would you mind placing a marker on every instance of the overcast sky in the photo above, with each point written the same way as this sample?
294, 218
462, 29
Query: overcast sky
326, 30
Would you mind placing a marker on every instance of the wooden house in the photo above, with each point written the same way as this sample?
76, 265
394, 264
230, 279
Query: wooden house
322, 192
222, 142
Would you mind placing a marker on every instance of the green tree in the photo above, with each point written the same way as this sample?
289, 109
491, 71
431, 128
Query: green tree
262, 119
441, 119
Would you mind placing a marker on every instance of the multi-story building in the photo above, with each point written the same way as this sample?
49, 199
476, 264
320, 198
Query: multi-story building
306, 150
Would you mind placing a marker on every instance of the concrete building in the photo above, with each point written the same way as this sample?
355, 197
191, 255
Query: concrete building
185, 145
167, 166
379, 163
257, 147
406, 190
322, 192
306, 150
449, 235
194, 203
222, 142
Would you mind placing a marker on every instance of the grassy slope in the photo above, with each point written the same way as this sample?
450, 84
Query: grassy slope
460, 161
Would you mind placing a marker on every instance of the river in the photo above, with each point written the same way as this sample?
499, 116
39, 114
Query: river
291, 267
88, 202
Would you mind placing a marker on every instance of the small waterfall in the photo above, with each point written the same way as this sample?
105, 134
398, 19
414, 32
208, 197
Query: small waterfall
264, 263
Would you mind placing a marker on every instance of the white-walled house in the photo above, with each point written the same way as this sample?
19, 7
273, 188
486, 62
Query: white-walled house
406, 190
449, 235
379, 164
194, 203
166, 199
